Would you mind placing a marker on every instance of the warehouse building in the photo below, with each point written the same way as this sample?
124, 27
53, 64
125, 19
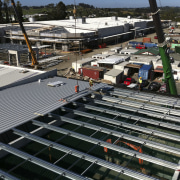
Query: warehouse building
54, 133
89, 32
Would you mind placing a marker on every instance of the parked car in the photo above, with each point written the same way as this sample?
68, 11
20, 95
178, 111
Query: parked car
155, 37
128, 81
154, 86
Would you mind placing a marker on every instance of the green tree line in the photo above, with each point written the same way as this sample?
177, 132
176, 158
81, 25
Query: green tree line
60, 11
6, 12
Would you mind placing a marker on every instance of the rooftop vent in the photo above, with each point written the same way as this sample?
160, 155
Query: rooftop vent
82, 20
115, 18
71, 17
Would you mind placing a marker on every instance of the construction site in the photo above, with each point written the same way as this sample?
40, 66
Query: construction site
65, 114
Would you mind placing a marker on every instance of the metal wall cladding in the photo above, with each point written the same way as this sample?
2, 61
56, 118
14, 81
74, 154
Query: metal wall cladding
145, 71
92, 73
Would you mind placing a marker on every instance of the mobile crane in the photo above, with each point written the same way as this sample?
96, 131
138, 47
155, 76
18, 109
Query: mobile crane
34, 60
163, 49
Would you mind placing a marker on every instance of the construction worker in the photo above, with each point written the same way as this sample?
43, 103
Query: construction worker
90, 82
140, 82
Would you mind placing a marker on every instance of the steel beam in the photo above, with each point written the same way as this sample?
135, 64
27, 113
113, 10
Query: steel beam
41, 162
108, 145
129, 126
133, 117
148, 143
82, 155
6, 176
141, 111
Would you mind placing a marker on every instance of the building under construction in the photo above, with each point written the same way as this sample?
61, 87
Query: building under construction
50, 132
73, 34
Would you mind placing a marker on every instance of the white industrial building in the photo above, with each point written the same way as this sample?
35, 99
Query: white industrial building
128, 51
143, 59
88, 32
114, 59
121, 65
114, 75
80, 63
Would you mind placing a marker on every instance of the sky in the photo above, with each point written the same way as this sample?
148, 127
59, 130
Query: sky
103, 3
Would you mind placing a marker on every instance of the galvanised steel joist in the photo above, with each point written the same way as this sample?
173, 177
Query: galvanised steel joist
151, 144
141, 105
133, 117
6, 176
156, 99
84, 156
129, 126
141, 111
109, 146
40, 162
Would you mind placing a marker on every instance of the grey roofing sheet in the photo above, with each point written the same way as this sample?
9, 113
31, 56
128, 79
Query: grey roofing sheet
23, 103
114, 72
13, 75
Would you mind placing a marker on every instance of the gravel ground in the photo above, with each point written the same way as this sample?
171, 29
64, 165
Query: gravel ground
70, 57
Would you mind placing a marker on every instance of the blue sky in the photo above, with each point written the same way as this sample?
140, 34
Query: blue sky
103, 3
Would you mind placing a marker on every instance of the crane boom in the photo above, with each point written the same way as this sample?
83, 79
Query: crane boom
34, 61
163, 49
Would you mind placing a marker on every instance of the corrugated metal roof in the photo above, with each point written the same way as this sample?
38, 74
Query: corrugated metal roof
11, 75
23, 103
112, 60
154, 51
124, 134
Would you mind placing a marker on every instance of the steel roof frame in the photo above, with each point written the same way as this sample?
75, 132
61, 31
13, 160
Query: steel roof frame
6, 176
141, 111
133, 117
130, 126
84, 156
141, 105
158, 99
40, 162
119, 134
108, 145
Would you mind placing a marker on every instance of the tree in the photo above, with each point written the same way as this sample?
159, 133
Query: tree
61, 11
19, 10
1, 16
6, 9
58, 12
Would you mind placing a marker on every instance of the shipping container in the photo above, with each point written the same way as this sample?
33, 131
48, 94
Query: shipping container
145, 71
92, 72
147, 40
150, 45
134, 44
